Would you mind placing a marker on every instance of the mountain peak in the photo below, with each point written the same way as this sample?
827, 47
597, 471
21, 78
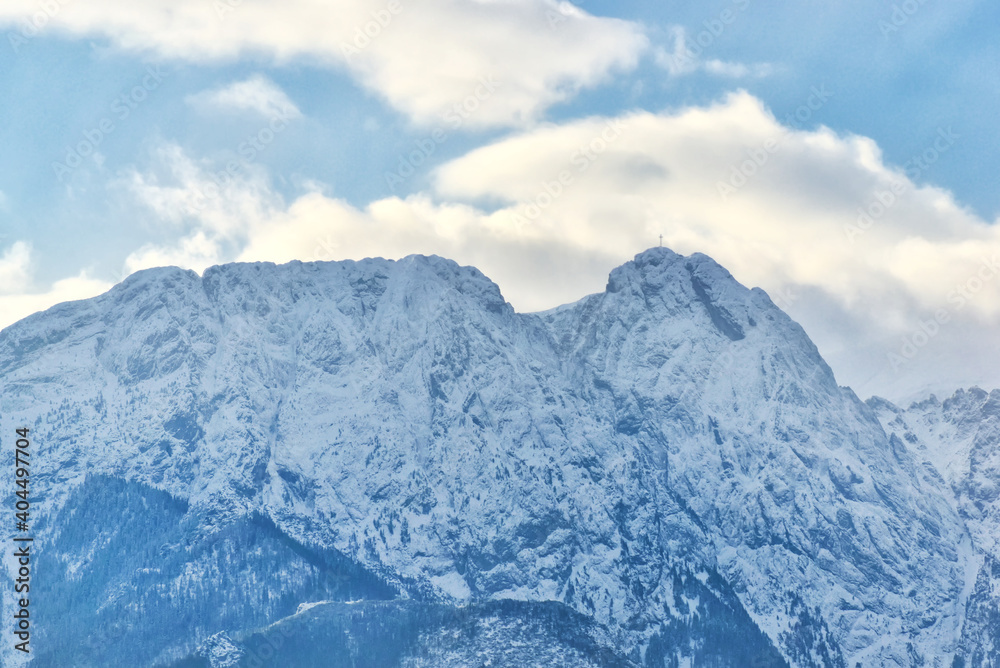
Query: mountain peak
646, 267
657, 266
399, 417
656, 255
664, 280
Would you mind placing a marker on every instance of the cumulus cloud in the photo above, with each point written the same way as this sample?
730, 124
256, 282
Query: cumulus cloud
849, 245
247, 221
258, 94
769, 201
423, 59
213, 220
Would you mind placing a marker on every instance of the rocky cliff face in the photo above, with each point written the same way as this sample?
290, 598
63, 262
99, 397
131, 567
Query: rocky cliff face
669, 463
959, 439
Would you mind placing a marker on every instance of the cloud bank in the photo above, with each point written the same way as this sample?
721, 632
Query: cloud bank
422, 58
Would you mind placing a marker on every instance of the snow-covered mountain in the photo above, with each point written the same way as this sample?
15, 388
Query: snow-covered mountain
960, 439
659, 474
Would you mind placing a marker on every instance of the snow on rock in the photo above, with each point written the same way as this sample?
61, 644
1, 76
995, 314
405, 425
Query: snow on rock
220, 651
403, 414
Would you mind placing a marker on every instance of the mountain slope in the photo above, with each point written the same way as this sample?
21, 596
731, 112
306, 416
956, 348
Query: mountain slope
959, 439
648, 457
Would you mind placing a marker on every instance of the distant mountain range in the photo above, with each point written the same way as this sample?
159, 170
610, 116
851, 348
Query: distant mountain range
381, 463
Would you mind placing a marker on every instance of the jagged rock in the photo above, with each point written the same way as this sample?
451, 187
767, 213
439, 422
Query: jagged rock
670, 460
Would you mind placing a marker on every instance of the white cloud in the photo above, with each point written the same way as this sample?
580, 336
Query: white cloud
19, 300
423, 58
258, 94
683, 60
81, 286
738, 70
795, 218
15, 266
213, 220
198, 251
579, 198
247, 221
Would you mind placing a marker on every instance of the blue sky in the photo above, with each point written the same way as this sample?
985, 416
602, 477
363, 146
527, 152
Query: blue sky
446, 131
